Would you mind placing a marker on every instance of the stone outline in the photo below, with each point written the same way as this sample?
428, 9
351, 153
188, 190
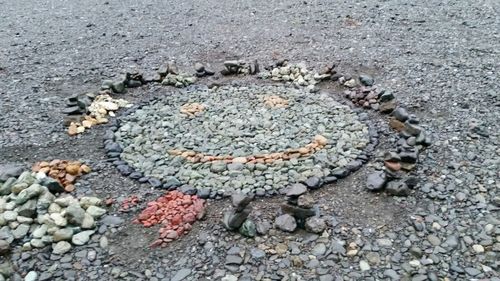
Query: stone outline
313, 183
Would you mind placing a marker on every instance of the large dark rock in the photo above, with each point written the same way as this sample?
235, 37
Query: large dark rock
376, 181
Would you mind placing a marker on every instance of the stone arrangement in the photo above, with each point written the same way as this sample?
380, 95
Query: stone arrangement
297, 74
33, 216
235, 67
63, 171
175, 211
97, 113
236, 142
237, 217
412, 138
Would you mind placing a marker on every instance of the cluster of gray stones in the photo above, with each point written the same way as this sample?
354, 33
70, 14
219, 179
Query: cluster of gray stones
411, 137
298, 75
34, 214
234, 123
300, 211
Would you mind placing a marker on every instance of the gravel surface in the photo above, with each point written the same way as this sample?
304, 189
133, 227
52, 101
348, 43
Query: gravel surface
440, 59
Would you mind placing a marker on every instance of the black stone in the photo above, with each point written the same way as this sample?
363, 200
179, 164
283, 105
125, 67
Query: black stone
412, 181
409, 156
329, 180
155, 182
376, 181
52, 185
297, 212
124, 169
113, 147
187, 189
135, 175
340, 173
73, 110
386, 96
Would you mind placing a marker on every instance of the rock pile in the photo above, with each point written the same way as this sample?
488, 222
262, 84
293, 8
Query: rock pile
176, 212
99, 110
298, 211
63, 171
202, 70
298, 74
77, 108
32, 216
237, 217
179, 80
235, 67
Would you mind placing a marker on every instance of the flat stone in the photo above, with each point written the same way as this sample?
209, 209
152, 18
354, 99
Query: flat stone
295, 190
301, 213
20, 231
95, 211
82, 237
181, 274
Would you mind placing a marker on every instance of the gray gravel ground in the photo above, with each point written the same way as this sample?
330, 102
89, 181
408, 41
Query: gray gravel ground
441, 60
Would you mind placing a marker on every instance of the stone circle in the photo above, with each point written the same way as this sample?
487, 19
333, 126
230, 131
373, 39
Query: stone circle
257, 139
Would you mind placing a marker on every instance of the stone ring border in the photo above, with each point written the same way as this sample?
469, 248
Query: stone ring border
113, 151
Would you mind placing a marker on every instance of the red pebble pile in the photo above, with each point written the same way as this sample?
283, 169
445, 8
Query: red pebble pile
128, 203
175, 211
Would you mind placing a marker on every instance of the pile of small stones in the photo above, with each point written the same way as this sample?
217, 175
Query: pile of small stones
34, 217
300, 211
65, 172
237, 217
297, 74
101, 107
237, 143
175, 211
411, 137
